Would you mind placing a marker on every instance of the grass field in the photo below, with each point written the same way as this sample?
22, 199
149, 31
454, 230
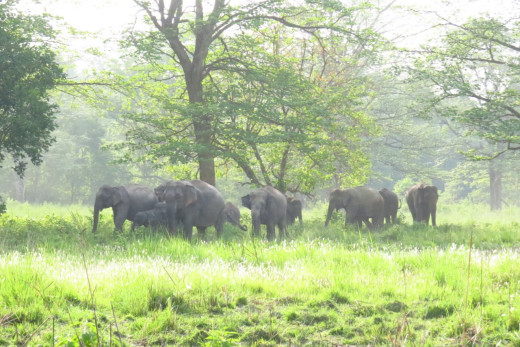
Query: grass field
457, 284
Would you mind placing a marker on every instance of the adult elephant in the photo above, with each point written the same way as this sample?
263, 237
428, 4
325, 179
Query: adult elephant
422, 202
294, 210
232, 215
192, 203
125, 201
392, 204
360, 204
268, 206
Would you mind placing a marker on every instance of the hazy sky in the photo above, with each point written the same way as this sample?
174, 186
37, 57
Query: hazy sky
107, 18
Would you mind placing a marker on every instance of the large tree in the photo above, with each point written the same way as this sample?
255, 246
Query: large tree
28, 72
474, 72
201, 41
475, 76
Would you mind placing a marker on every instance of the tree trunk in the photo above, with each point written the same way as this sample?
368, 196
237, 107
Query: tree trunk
495, 188
202, 128
19, 187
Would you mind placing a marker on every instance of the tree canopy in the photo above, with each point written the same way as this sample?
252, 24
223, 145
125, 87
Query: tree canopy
475, 76
267, 94
208, 58
28, 72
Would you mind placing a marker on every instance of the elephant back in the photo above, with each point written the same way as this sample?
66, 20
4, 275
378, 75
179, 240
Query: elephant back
210, 202
140, 198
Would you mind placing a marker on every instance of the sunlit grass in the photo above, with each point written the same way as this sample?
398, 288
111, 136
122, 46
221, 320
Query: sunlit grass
332, 285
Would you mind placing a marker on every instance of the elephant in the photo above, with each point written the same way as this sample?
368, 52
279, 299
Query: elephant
392, 204
125, 201
360, 204
232, 215
294, 210
154, 218
422, 202
192, 203
268, 206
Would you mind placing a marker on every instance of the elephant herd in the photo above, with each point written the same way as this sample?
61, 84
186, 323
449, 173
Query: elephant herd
372, 207
194, 204
198, 204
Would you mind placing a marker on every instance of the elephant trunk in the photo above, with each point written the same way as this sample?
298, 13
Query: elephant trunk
329, 214
97, 208
171, 216
255, 217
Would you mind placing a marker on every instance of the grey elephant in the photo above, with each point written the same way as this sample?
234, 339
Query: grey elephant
232, 215
154, 218
360, 204
192, 203
294, 210
125, 201
268, 206
392, 204
422, 202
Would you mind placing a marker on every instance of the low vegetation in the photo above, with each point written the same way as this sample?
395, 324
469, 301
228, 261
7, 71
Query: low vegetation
455, 284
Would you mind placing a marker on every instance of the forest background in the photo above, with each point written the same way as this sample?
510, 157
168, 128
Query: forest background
390, 94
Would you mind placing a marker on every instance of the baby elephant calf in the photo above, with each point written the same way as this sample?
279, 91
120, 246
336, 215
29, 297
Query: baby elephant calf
151, 218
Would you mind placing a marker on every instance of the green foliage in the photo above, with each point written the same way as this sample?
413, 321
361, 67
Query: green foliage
28, 72
476, 65
268, 104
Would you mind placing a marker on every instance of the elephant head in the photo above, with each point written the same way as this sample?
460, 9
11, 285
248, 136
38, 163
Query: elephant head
178, 195
294, 210
246, 201
268, 206
338, 199
422, 202
427, 197
232, 215
107, 196
360, 203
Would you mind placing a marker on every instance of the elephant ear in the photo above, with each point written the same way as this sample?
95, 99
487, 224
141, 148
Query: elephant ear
346, 200
246, 201
159, 191
116, 196
190, 194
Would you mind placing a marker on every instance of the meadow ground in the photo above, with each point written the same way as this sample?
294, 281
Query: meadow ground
457, 284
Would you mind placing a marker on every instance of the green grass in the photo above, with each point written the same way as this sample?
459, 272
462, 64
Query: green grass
403, 285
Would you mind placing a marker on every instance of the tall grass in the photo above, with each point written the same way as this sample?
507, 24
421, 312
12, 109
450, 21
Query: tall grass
322, 286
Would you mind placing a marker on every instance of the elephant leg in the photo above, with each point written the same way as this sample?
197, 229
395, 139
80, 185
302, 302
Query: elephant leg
413, 211
427, 217
434, 216
378, 221
270, 231
282, 230
120, 215
219, 225
188, 230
